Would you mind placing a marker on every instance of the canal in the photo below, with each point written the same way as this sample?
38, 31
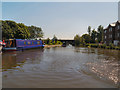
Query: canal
61, 67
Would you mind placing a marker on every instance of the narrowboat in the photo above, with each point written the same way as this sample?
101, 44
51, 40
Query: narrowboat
20, 44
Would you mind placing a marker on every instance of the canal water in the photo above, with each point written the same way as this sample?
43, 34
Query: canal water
61, 67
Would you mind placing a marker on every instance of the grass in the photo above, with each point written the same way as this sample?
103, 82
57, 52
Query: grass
103, 46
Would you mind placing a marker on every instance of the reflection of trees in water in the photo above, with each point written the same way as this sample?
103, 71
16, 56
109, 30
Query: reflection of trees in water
54, 48
8, 62
85, 50
12, 60
98, 51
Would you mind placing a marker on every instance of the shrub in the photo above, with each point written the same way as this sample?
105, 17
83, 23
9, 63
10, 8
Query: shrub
117, 48
107, 47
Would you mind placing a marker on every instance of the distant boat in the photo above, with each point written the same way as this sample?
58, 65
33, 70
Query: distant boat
20, 44
64, 45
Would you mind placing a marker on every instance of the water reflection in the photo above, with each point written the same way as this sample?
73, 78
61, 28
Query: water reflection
12, 60
61, 67
106, 65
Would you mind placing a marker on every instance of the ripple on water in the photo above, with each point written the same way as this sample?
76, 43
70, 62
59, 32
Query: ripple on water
60, 67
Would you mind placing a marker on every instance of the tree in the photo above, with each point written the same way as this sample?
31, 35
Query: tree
89, 30
48, 41
32, 32
23, 31
38, 32
77, 40
82, 41
54, 39
100, 33
6, 31
93, 36
35, 32
87, 38
13, 30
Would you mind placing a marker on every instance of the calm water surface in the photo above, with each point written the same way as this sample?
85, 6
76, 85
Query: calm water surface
61, 67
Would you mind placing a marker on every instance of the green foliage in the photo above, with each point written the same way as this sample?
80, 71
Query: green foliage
93, 36
87, 38
93, 45
103, 46
59, 42
54, 40
11, 29
111, 45
100, 33
48, 41
6, 30
117, 48
89, 30
77, 40
107, 47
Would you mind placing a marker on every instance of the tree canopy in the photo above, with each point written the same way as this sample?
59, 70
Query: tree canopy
13, 30
93, 36
100, 33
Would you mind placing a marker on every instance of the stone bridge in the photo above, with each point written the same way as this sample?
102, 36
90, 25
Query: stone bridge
67, 41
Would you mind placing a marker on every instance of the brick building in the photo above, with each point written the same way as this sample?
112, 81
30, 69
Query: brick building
112, 34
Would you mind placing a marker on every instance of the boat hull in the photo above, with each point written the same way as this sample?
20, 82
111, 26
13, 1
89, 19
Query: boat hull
20, 44
20, 48
10, 49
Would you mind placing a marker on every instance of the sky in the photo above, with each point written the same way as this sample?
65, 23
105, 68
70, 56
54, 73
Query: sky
63, 19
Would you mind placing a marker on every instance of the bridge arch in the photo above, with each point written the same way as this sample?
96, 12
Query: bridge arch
67, 42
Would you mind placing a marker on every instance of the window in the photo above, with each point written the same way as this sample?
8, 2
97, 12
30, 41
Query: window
105, 37
29, 42
110, 29
25, 43
118, 27
110, 36
118, 35
38, 42
105, 31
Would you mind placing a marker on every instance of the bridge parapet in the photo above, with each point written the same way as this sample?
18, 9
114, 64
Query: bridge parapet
72, 42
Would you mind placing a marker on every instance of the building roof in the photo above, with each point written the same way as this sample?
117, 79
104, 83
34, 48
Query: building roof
113, 24
119, 21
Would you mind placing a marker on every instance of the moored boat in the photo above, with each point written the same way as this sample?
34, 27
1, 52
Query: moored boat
20, 44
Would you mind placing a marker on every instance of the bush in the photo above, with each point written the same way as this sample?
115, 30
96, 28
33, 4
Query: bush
107, 47
93, 45
102, 46
117, 48
111, 46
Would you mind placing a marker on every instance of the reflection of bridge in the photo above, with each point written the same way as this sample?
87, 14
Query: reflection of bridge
72, 42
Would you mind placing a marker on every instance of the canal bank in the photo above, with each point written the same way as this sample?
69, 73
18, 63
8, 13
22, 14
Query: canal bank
50, 46
61, 67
